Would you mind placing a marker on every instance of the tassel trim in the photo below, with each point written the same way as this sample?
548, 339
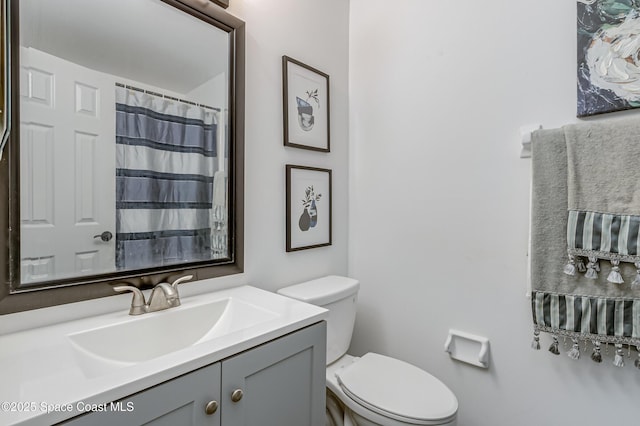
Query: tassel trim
593, 267
535, 345
576, 264
570, 267
636, 281
630, 341
618, 359
574, 353
598, 254
596, 356
614, 276
555, 346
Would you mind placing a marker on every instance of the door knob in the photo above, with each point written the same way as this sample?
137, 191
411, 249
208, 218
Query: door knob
211, 407
105, 236
237, 395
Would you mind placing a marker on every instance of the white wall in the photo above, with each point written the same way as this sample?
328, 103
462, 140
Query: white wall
212, 92
317, 34
439, 200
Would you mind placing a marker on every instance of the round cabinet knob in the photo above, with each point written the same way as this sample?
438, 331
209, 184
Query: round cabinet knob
211, 407
237, 395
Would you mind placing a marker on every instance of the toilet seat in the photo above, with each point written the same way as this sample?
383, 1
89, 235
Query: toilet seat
397, 390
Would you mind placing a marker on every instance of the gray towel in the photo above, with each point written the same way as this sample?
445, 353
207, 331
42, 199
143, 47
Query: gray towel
603, 172
571, 306
603, 196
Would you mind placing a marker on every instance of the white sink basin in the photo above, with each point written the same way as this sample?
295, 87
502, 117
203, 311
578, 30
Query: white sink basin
142, 338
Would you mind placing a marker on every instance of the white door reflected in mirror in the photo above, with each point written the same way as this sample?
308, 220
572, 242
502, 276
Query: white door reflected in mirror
67, 170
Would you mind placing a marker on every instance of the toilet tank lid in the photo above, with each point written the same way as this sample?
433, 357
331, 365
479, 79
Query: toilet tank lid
323, 290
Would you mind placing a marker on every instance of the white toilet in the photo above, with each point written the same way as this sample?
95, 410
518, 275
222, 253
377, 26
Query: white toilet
373, 389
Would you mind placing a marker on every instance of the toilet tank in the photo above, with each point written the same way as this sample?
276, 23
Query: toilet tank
338, 295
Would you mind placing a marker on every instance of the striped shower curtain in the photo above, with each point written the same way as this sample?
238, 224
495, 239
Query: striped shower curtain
166, 159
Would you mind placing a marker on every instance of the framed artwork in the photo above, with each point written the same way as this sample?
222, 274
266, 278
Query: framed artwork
306, 106
608, 56
308, 207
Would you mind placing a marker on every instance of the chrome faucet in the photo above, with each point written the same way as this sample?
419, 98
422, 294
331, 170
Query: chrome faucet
163, 296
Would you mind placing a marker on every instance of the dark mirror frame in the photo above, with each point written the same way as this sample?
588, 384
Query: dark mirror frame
222, 3
12, 298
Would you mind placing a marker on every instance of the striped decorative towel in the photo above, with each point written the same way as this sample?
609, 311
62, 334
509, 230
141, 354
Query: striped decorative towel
578, 192
603, 197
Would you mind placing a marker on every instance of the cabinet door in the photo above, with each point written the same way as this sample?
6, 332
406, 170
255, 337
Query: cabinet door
282, 382
180, 401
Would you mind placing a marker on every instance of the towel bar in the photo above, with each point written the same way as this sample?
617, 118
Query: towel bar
525, 138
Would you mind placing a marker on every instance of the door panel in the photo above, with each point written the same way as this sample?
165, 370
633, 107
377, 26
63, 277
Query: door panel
67, 117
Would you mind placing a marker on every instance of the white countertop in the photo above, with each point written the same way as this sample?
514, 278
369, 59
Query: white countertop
40, 370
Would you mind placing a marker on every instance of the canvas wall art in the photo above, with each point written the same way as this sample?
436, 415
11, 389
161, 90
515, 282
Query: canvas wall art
608, 56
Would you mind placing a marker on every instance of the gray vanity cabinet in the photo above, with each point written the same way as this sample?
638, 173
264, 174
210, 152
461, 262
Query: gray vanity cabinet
282, 382
180, 401
279, 383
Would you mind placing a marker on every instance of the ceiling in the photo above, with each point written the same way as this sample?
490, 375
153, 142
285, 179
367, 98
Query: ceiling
143, 40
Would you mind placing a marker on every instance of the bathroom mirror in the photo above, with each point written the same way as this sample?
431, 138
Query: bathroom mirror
124, 159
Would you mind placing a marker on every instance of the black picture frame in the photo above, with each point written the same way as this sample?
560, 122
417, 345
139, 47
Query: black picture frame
306, 106
308, 207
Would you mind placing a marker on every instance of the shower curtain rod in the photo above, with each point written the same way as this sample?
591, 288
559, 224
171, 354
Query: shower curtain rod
149, 92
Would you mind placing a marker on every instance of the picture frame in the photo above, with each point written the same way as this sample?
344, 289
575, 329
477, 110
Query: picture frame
306, 104
308, 207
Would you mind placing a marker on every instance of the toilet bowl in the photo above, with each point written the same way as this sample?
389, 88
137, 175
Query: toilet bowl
372, 390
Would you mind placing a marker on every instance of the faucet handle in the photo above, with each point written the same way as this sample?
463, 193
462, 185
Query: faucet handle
138, 303
181, 280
